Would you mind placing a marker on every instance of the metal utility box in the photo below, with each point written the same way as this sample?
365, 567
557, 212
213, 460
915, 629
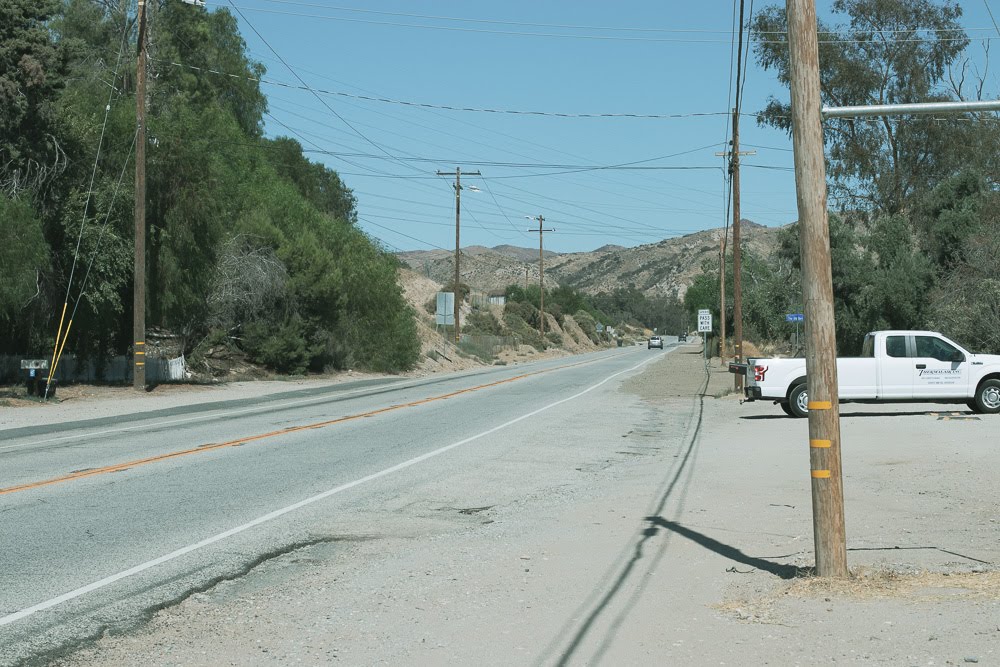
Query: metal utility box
35, 373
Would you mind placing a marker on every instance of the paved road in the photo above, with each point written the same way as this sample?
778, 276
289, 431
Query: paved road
105, 521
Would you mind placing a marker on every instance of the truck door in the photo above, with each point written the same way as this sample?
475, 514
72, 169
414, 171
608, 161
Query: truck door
896, 370
940, 369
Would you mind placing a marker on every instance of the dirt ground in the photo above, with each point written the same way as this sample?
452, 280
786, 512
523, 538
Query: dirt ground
691, 545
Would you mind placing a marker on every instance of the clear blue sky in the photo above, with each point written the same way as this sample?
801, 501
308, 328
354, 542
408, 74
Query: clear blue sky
579, 57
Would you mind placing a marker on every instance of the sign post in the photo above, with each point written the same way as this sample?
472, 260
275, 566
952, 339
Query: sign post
795, 317
705, 325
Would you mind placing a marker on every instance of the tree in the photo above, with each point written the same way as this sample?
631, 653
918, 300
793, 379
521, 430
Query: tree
248, 241
32, 71
888, 52
23, 257
320, 185
966, 304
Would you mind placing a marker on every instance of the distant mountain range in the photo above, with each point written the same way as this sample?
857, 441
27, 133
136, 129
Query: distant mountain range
657, 269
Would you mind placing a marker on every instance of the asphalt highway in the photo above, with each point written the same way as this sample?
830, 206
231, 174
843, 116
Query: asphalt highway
105, 521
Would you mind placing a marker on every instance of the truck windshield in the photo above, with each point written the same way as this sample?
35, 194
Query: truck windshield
868, 349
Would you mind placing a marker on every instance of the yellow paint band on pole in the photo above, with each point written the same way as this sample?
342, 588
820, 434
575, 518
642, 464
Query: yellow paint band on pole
820, 444
139, 342
819, 405
820, 474
55, 348
139, 363
138, 352
62, 346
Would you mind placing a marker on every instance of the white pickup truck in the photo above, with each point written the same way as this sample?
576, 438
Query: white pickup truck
894, 367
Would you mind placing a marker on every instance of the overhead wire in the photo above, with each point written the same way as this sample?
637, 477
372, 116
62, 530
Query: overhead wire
303, 82
448, 107
628, 183
403, 160
556, 35
555, 25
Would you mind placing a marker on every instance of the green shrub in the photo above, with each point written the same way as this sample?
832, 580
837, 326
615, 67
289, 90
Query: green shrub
482, 322
284, 349
587, 324
529, 335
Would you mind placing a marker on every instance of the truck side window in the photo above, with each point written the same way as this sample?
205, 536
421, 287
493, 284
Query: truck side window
935, 348
895, 346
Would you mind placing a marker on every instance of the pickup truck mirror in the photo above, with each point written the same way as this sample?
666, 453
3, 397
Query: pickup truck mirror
957, 357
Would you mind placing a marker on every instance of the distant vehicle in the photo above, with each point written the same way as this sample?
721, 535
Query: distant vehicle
655, 341
682, 337
894, 367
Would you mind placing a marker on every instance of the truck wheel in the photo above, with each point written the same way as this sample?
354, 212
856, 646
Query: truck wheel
798, 401
988, 397
786, 408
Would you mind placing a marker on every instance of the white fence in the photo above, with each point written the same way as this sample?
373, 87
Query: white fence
116, 370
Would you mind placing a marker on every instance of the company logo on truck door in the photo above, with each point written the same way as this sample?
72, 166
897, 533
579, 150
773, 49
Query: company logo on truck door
942, 374
759, 372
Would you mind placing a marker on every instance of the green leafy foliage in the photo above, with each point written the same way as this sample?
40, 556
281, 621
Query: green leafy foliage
913, 244
223, 202
23, 257
482, 322
32, 72
882, 52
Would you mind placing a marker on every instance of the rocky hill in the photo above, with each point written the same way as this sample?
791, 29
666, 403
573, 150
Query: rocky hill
657, 269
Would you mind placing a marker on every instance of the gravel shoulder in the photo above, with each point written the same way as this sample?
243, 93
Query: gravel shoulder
663, 523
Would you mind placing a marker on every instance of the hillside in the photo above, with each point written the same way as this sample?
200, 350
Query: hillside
657, 269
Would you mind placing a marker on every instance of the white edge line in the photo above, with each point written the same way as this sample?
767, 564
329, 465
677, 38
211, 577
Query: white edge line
142, 567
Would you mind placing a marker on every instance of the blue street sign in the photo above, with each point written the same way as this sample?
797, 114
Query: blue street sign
795, 317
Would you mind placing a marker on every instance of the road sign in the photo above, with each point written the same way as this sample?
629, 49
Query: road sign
704, 320
795, 317
445, 313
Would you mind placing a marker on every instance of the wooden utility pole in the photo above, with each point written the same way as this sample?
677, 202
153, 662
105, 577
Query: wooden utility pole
737, 259
458, 247
541, 272
139, 277
817, 291
734, 171
722, 300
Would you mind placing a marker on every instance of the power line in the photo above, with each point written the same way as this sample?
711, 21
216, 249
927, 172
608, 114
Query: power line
446, 107
612, 38
990, 11
302, 81
567, 26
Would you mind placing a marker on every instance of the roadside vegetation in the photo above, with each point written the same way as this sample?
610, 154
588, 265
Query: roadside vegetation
249, 244
915, 220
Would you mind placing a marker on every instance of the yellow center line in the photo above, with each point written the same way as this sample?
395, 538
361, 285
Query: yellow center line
117, 467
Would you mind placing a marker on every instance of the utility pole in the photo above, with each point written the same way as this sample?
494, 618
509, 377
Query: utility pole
817, 291
734, 170
737, 259
722, 301
541, 272
139, 277
458, 248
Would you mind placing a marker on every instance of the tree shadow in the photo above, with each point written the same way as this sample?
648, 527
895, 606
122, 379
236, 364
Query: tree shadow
730, 552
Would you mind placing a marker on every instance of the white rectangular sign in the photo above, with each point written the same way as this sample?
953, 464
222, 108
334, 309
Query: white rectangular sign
704, 321
445, 309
